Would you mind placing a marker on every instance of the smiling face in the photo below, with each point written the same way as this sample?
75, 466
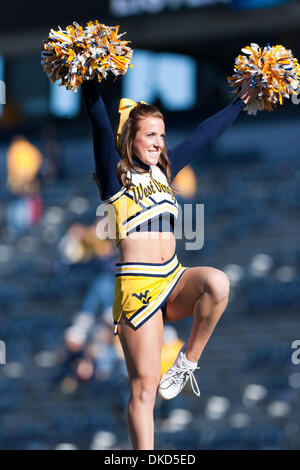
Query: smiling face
149, 140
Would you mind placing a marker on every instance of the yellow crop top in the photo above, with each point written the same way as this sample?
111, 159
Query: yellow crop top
150, 206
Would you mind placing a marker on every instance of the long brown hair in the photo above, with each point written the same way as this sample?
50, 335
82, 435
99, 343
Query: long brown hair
125, 142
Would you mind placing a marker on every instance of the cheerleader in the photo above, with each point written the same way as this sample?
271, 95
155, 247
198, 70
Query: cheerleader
134, 176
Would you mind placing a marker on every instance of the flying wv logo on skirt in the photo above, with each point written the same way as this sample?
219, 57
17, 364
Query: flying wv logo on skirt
143, 297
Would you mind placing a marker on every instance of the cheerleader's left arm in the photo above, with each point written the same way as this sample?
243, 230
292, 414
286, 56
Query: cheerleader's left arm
205, 133
210, 129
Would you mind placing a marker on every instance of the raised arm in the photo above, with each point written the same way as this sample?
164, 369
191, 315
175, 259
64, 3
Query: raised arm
106, 156
205, 133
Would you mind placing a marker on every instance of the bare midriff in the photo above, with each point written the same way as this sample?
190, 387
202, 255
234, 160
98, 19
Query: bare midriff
147, 247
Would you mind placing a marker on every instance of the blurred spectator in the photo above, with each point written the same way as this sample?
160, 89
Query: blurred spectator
186, 184
23, 212
23, 163
88, 341
81, 243
93, 356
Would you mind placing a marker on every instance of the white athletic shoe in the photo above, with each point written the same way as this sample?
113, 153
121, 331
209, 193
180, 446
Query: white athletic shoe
173, 381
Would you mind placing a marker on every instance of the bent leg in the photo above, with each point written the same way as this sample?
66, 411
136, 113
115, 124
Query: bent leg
142, 351
202, 292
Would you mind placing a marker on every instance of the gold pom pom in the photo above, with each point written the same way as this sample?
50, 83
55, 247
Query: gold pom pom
76, 54
273, 70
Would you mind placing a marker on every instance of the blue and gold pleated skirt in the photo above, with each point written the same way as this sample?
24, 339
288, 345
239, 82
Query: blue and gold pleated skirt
143, 288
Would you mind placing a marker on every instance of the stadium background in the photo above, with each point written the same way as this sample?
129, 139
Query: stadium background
53, 396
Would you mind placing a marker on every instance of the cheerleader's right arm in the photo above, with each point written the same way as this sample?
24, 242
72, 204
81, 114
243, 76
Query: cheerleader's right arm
105, 153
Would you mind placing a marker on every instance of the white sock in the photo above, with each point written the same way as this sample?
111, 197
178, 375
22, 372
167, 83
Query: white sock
188, 362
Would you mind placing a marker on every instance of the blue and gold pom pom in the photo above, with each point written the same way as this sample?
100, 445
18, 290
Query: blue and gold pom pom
77, 54
273, 70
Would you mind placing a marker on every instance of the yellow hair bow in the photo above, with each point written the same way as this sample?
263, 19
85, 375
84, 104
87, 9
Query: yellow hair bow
125, 106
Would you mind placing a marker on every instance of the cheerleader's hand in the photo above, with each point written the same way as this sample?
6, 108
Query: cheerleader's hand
248, 93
